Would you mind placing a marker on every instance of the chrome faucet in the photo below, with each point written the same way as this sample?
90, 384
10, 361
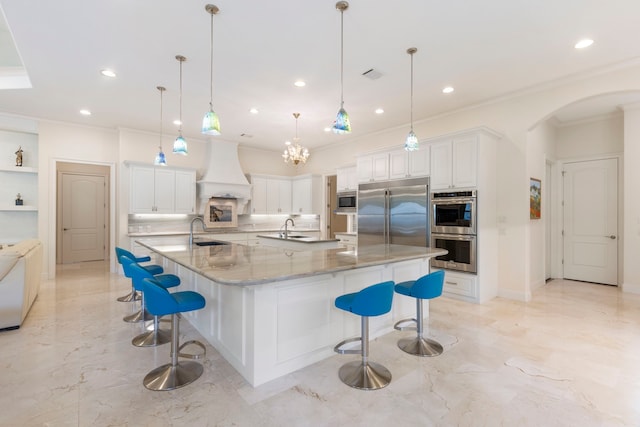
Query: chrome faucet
191, 229
286, 230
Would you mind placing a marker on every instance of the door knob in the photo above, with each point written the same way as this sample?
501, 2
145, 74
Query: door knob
65, 229
612, 237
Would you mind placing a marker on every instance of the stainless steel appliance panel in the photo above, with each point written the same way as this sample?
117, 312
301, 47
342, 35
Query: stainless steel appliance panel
408, 213
372, 218
394, 212
453, 213
462, 252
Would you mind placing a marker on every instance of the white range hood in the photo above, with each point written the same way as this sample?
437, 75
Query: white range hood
223, 176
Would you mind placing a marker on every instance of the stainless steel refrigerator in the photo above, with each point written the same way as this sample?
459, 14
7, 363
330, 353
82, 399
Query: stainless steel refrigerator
394, 212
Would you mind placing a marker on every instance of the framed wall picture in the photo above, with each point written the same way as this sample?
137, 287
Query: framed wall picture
535, 198
221, 212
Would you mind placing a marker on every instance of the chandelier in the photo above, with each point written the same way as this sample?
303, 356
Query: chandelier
295, 153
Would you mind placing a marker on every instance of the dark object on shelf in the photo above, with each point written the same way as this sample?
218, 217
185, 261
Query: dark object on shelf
19, 201
19, 159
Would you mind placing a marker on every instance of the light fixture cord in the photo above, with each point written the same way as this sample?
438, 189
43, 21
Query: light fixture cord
211, 95
341, 58
412, 92
180, 129
161, 90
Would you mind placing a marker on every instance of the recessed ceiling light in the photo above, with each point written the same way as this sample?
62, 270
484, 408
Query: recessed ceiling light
327, 129
300, 83
448, 89
287, 143
583, 43
253, 111
379, 111
177, 122
85, 112
108, 73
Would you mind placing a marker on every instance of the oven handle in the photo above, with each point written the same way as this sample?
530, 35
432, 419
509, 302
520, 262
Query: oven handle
453, 201
461, 237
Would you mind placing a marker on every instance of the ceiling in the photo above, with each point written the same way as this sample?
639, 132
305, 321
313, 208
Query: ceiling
483, 49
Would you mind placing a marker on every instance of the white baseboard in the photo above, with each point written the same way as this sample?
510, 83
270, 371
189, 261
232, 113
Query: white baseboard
631, 288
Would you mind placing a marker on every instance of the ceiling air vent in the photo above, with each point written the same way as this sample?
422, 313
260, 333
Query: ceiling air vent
372, 74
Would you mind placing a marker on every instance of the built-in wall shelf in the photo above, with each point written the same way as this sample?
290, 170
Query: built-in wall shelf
19, 208
19, 169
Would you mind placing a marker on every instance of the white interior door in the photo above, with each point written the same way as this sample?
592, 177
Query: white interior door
83, 218
591, 221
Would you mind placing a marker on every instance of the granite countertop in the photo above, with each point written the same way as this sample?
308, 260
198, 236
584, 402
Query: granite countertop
217, 231
242, 265
292, 237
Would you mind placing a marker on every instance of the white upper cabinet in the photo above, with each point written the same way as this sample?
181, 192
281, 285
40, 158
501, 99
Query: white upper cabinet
454, 163
347, 178
373, 167
306, 194
161, 190
270, 195
409, 164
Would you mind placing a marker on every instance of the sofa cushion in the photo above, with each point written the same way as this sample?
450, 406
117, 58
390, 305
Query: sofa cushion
9, 255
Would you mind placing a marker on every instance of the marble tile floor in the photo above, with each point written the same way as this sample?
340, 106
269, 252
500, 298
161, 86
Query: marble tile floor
571, 357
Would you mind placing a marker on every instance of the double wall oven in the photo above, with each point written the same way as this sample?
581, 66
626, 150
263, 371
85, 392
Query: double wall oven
454, 228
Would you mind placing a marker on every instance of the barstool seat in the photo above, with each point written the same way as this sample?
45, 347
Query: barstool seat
155, 336
153, 269
160, 303
167, 280
372, 301
426, 287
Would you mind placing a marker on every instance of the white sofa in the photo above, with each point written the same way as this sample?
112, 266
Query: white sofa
20, 271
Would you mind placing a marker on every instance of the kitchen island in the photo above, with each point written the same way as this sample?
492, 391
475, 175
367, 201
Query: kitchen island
270, 310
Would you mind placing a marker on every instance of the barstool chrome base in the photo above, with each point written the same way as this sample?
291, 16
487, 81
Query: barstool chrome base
152, 338
420, 346
138, 317
171, 377
131, 296
364, 375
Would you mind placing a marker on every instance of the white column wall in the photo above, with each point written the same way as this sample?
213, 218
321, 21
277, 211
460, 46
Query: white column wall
631, 276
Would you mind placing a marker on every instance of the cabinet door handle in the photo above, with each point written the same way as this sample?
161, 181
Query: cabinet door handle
612, 237
65, 229
451, 283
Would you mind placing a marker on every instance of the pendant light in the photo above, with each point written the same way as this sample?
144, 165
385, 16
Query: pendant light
160, 157
211, 122
295, 153
180, 145
411, 143
342, 125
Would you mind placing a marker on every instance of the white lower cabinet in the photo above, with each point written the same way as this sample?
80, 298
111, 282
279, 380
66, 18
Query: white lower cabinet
462, 286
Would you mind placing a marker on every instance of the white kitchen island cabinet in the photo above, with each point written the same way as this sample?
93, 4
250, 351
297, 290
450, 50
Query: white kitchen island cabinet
270, 311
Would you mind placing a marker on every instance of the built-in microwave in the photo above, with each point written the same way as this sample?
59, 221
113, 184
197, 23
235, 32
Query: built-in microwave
461, 255
347, 202
453, 212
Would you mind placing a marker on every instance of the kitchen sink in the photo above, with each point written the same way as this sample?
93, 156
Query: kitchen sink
210, 243
296, 236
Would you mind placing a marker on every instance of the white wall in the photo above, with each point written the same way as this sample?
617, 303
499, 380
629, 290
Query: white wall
631, 276
540, 147
591, 138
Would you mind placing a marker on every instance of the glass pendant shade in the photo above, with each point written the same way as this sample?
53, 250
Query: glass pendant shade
342, 125
180, 146
411, 143
161, 160
211, 123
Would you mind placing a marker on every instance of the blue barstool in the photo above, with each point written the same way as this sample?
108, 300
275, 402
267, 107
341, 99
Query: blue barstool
426, 287
153, 269
160, 303
371, 301
155, 336
167, 280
